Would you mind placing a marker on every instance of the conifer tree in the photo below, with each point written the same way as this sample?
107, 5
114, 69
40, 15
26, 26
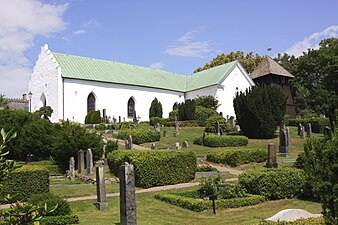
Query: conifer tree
155, 109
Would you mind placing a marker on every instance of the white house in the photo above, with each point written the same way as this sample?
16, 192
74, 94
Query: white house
73, 85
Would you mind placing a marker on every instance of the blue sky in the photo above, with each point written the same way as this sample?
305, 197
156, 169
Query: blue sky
176, 36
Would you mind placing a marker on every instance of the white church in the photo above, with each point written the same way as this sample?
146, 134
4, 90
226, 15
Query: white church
74, 85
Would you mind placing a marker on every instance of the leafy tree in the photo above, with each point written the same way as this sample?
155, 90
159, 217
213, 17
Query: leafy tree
202, 114
186, 110
209, 102
155, 109
320, 161
259, 111
45, 112
249, 61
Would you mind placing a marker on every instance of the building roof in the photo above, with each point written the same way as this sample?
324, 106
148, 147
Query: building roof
269, 66
83, 68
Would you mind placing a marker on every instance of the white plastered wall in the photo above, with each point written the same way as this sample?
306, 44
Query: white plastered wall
114, 98
46, 79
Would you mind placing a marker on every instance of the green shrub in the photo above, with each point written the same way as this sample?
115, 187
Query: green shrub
211, 121
309, 221
63, 207
154, 120
201, 205
93, 117
186, 110
213, 140
48, 165
259, 111
60, 220
111, 146
202, 114
235, 157
274, 184
155, 109
139, 135
156, 168
209, 102
317, 123
26, 183
172, 115
105, 126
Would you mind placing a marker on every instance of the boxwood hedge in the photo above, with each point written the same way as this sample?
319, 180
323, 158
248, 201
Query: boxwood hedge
139, 135
60, 220
274, 183
156, 168
317, 123
26, 183
235, 157
199, 205
213, 140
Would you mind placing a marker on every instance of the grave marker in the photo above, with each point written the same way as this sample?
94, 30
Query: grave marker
272, 156
283, 148
185, 144
101, 203
308, 130
80, 161
89, 162
127, 195
72, 168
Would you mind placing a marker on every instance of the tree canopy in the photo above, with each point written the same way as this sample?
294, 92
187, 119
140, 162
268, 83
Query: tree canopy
249, 61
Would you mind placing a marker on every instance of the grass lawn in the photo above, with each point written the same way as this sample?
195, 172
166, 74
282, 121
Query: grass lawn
153, 211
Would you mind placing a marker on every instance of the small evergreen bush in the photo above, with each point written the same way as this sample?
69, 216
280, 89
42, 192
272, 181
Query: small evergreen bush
213, 140
155, 109
235, 157
209, 102
202, 114
317, 123
111, 146
156, 168
93, 117
186, 110
211, 121
139, 136
60, 220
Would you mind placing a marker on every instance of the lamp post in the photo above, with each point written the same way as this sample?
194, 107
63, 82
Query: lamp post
30, 94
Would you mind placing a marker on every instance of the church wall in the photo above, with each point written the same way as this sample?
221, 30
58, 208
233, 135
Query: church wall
114, 98
46, 79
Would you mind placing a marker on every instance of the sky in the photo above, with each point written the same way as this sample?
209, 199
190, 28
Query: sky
176, 36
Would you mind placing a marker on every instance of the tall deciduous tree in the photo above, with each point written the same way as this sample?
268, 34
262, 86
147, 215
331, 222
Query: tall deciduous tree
155, 109
249, 61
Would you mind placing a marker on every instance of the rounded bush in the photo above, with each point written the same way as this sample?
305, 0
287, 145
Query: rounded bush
202, 114
222, 141
140, 136
63, 207
210, 124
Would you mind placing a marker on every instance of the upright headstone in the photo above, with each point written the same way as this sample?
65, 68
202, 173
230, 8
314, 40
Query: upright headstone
289, 142
130, 142
72, 168
328, 132
217, 129
165, 133
114, 120
298, 128
185, 144
157, 127
80, 161
104, 116
308, 130
101, 203
302, 132
127, 195
176, 127
153, 146
126, 145
177, 146
124, 119
203, 138
104, 155
231, 120
283, 148
272, 156
135, 120
89, 162
120, 119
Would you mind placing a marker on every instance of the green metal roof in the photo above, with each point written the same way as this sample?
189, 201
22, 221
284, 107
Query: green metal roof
83, 68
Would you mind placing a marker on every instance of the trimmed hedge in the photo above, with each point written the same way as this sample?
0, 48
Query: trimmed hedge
156, 168
313, 221
63, 207
48, 165
139, 136
26, 183
235, 157
105, 126
213, 140
274, 184
199, 205
60, 220
317, 123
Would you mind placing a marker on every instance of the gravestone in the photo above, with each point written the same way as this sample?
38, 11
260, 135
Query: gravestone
298, 128
101, 203
135, 120
203, 138
104, 116
272, 156
328, 132
283, 148
126, 145
308, 130
29, 158
130, 142
72, 168
89, 162
282, 126
124, 119
302, 132
288, 136
231, 120
176, 132
217, 128
153, 146
120, 119
157, 127
185, 144
127, 195
114, 120
104, 155
80, 161
165, 133
177, 146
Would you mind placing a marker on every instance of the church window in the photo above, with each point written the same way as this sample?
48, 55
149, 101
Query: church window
91, 102
131, 107
175, 106
43, 100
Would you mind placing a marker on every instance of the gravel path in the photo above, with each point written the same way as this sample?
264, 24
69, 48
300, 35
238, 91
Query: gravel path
226, 169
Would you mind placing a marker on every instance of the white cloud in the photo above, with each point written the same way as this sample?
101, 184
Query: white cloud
79, 32
157, 65
20, 22
312, 41
186, 46
92, 23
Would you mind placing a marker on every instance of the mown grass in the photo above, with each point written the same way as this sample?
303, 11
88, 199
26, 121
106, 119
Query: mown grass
152, 211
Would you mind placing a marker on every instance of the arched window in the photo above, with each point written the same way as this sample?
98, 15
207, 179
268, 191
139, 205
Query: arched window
175, 106
91, 102
43, 101
131, 107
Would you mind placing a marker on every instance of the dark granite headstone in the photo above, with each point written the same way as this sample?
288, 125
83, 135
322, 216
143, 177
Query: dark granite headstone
283, 148
80, 161
272, 156
127, 195
308, 130
89, 162
101, 203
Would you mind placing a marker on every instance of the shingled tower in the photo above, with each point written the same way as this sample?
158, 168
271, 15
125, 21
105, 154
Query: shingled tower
269, 72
